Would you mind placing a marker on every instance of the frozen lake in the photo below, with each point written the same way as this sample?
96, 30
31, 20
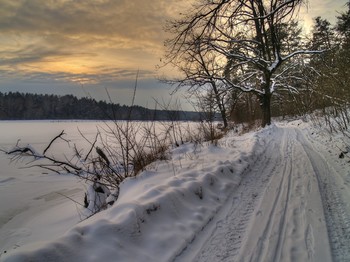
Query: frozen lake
32, 199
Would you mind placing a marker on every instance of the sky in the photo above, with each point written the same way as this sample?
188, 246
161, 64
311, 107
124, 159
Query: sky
91, 47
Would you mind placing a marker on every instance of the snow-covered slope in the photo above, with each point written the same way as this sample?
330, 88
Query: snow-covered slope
272, 195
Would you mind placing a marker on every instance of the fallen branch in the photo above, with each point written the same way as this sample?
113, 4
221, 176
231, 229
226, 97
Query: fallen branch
53, 140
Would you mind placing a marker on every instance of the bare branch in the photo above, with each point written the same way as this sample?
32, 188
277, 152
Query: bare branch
53, 140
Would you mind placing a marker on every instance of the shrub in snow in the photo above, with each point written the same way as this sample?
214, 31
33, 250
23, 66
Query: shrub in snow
98, 196
118, 150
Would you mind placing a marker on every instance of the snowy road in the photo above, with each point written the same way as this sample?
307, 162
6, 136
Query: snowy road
287, 208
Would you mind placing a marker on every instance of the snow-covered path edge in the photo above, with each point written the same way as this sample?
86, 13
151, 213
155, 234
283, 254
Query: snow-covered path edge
239, 205
334, 193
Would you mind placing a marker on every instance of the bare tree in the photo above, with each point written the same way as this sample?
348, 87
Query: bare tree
241, 42
201, 70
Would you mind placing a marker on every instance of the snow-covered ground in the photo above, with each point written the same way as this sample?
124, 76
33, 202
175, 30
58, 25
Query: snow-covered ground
34, 205
279, 194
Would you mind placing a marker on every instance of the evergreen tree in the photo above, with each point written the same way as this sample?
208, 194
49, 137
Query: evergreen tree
17, 106
343, 24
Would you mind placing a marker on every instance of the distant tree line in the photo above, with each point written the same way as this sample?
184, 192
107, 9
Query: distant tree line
20, 106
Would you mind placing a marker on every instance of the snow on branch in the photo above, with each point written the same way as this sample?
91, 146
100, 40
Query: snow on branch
27, 150
243, 88
303, 52
274, 10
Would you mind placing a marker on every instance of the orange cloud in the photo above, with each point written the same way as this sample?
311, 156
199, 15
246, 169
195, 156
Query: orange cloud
77, 37
83, 39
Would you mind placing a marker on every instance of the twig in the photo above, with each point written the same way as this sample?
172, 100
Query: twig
53, 140
71, 199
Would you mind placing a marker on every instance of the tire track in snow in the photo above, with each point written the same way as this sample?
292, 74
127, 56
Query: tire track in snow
286, 229
309, 241
288, 171
271, 241
337, 220
228, 230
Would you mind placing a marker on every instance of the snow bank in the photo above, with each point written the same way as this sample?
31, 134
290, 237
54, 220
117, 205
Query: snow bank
157, 213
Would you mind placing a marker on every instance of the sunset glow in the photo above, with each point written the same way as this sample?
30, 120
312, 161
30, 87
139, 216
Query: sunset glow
97, 43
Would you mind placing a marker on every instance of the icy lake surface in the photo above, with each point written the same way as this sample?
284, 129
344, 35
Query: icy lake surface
28, 195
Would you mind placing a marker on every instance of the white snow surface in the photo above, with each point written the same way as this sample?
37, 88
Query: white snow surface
278, 194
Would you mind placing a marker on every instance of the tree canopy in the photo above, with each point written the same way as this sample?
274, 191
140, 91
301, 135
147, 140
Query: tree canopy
243, 45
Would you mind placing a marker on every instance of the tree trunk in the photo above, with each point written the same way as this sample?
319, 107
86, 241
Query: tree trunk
222, 110
266, 110
220, 104
223, 116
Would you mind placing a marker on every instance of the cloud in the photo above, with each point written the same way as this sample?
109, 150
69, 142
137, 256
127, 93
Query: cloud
134, 20
120, 91
98, 76
68, 36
